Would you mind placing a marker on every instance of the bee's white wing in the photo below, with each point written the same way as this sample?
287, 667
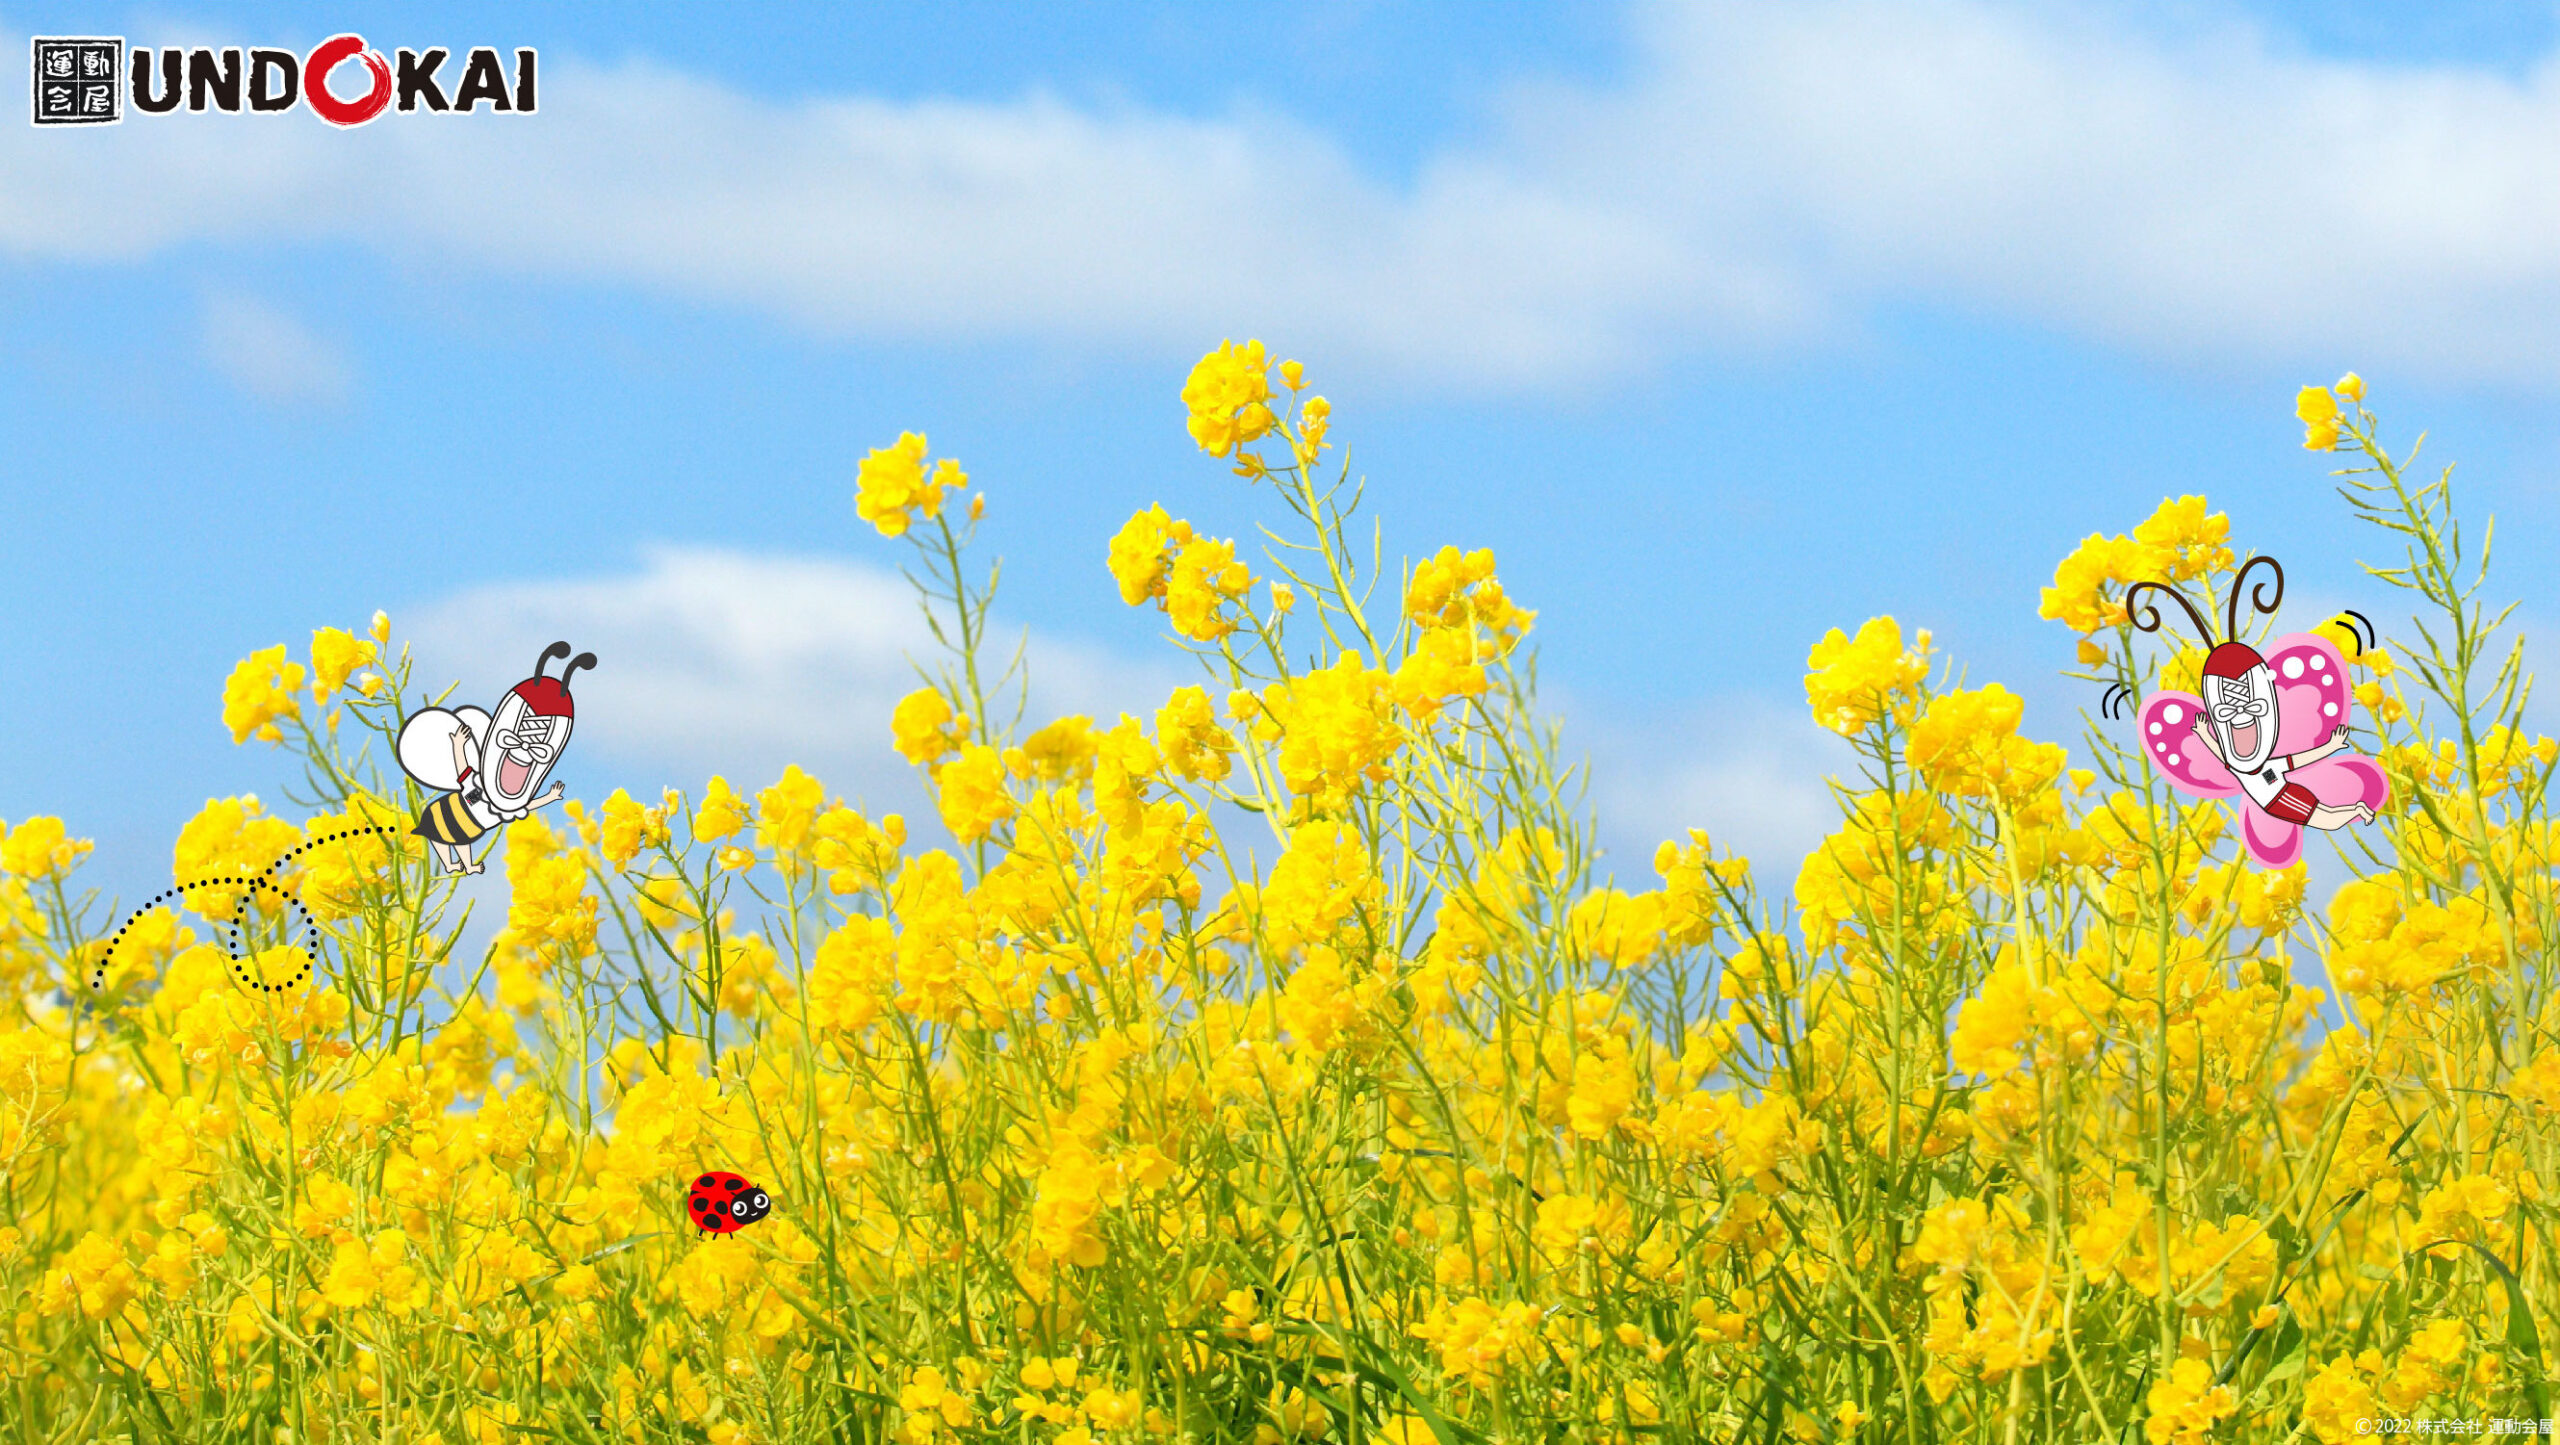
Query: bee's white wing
426, 746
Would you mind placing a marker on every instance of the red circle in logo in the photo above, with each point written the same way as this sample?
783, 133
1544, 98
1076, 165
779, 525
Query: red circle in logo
315, 81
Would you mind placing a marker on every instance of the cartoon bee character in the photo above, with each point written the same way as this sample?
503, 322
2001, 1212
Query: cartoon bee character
488, 767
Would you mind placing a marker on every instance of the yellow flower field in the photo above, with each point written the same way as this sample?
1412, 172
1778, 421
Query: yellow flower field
1279, 1066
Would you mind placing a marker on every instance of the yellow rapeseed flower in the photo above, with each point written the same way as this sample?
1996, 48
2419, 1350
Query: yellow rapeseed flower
547, 903
1204, 578
1321, 880
2338, 1403
2186, 1406
1967, 745
1142, 552
1314, 420
334, 655
1193, 743
229, 837
2319, 413
1226, 396
973, 797
259, 691
1337, 730
2082, 582
787, 812
1061, 752
924, 729
720, 813
893, 487
95, 1278
38, 849
1158, 557
2180, 541
627, 827
856, 852
375, 1274
1479, 1342
1853, 683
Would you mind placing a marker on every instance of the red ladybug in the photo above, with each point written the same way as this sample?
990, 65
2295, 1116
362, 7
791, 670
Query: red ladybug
725, 1203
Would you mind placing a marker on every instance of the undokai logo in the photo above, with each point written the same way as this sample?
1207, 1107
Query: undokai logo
342, 81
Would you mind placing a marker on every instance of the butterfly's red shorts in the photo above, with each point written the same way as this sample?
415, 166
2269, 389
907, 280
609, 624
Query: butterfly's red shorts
2294, 803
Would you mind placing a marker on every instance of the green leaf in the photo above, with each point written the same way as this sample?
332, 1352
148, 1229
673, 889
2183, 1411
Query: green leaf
2292, 1349
2288, 1237
2522, 1337
1375, 1367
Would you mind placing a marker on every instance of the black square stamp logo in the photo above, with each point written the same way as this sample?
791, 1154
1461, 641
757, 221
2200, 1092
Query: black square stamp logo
79, 80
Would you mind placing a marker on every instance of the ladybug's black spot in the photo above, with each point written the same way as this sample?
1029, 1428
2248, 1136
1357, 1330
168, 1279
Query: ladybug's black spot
736, 1183
703, 1183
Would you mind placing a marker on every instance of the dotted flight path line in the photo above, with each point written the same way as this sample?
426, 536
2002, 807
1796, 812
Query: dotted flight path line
259, 884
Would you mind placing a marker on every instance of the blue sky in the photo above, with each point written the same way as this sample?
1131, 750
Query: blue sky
1722, 326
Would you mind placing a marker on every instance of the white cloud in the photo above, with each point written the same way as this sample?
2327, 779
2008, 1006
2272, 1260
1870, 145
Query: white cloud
712, 661
1766, 175
1749, 773
272, 356
2189, 193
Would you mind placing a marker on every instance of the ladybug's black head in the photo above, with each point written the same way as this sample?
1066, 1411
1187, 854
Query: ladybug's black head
750, 1206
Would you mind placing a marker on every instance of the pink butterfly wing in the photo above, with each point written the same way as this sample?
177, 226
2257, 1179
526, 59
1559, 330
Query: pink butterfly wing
2274, 842
2312, 695
2166, 725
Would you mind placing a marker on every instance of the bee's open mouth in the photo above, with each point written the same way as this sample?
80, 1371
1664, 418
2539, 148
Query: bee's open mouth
511, 776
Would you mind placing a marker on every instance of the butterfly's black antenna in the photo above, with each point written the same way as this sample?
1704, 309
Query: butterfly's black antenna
2259, 601
2148, 619
2368, 636
2109, 701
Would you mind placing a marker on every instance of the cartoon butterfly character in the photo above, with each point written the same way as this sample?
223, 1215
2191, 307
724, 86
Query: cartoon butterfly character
2271, 729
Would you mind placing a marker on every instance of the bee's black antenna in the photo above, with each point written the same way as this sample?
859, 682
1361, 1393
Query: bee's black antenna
2148, 619
2259, 601
557, 649
583, 659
